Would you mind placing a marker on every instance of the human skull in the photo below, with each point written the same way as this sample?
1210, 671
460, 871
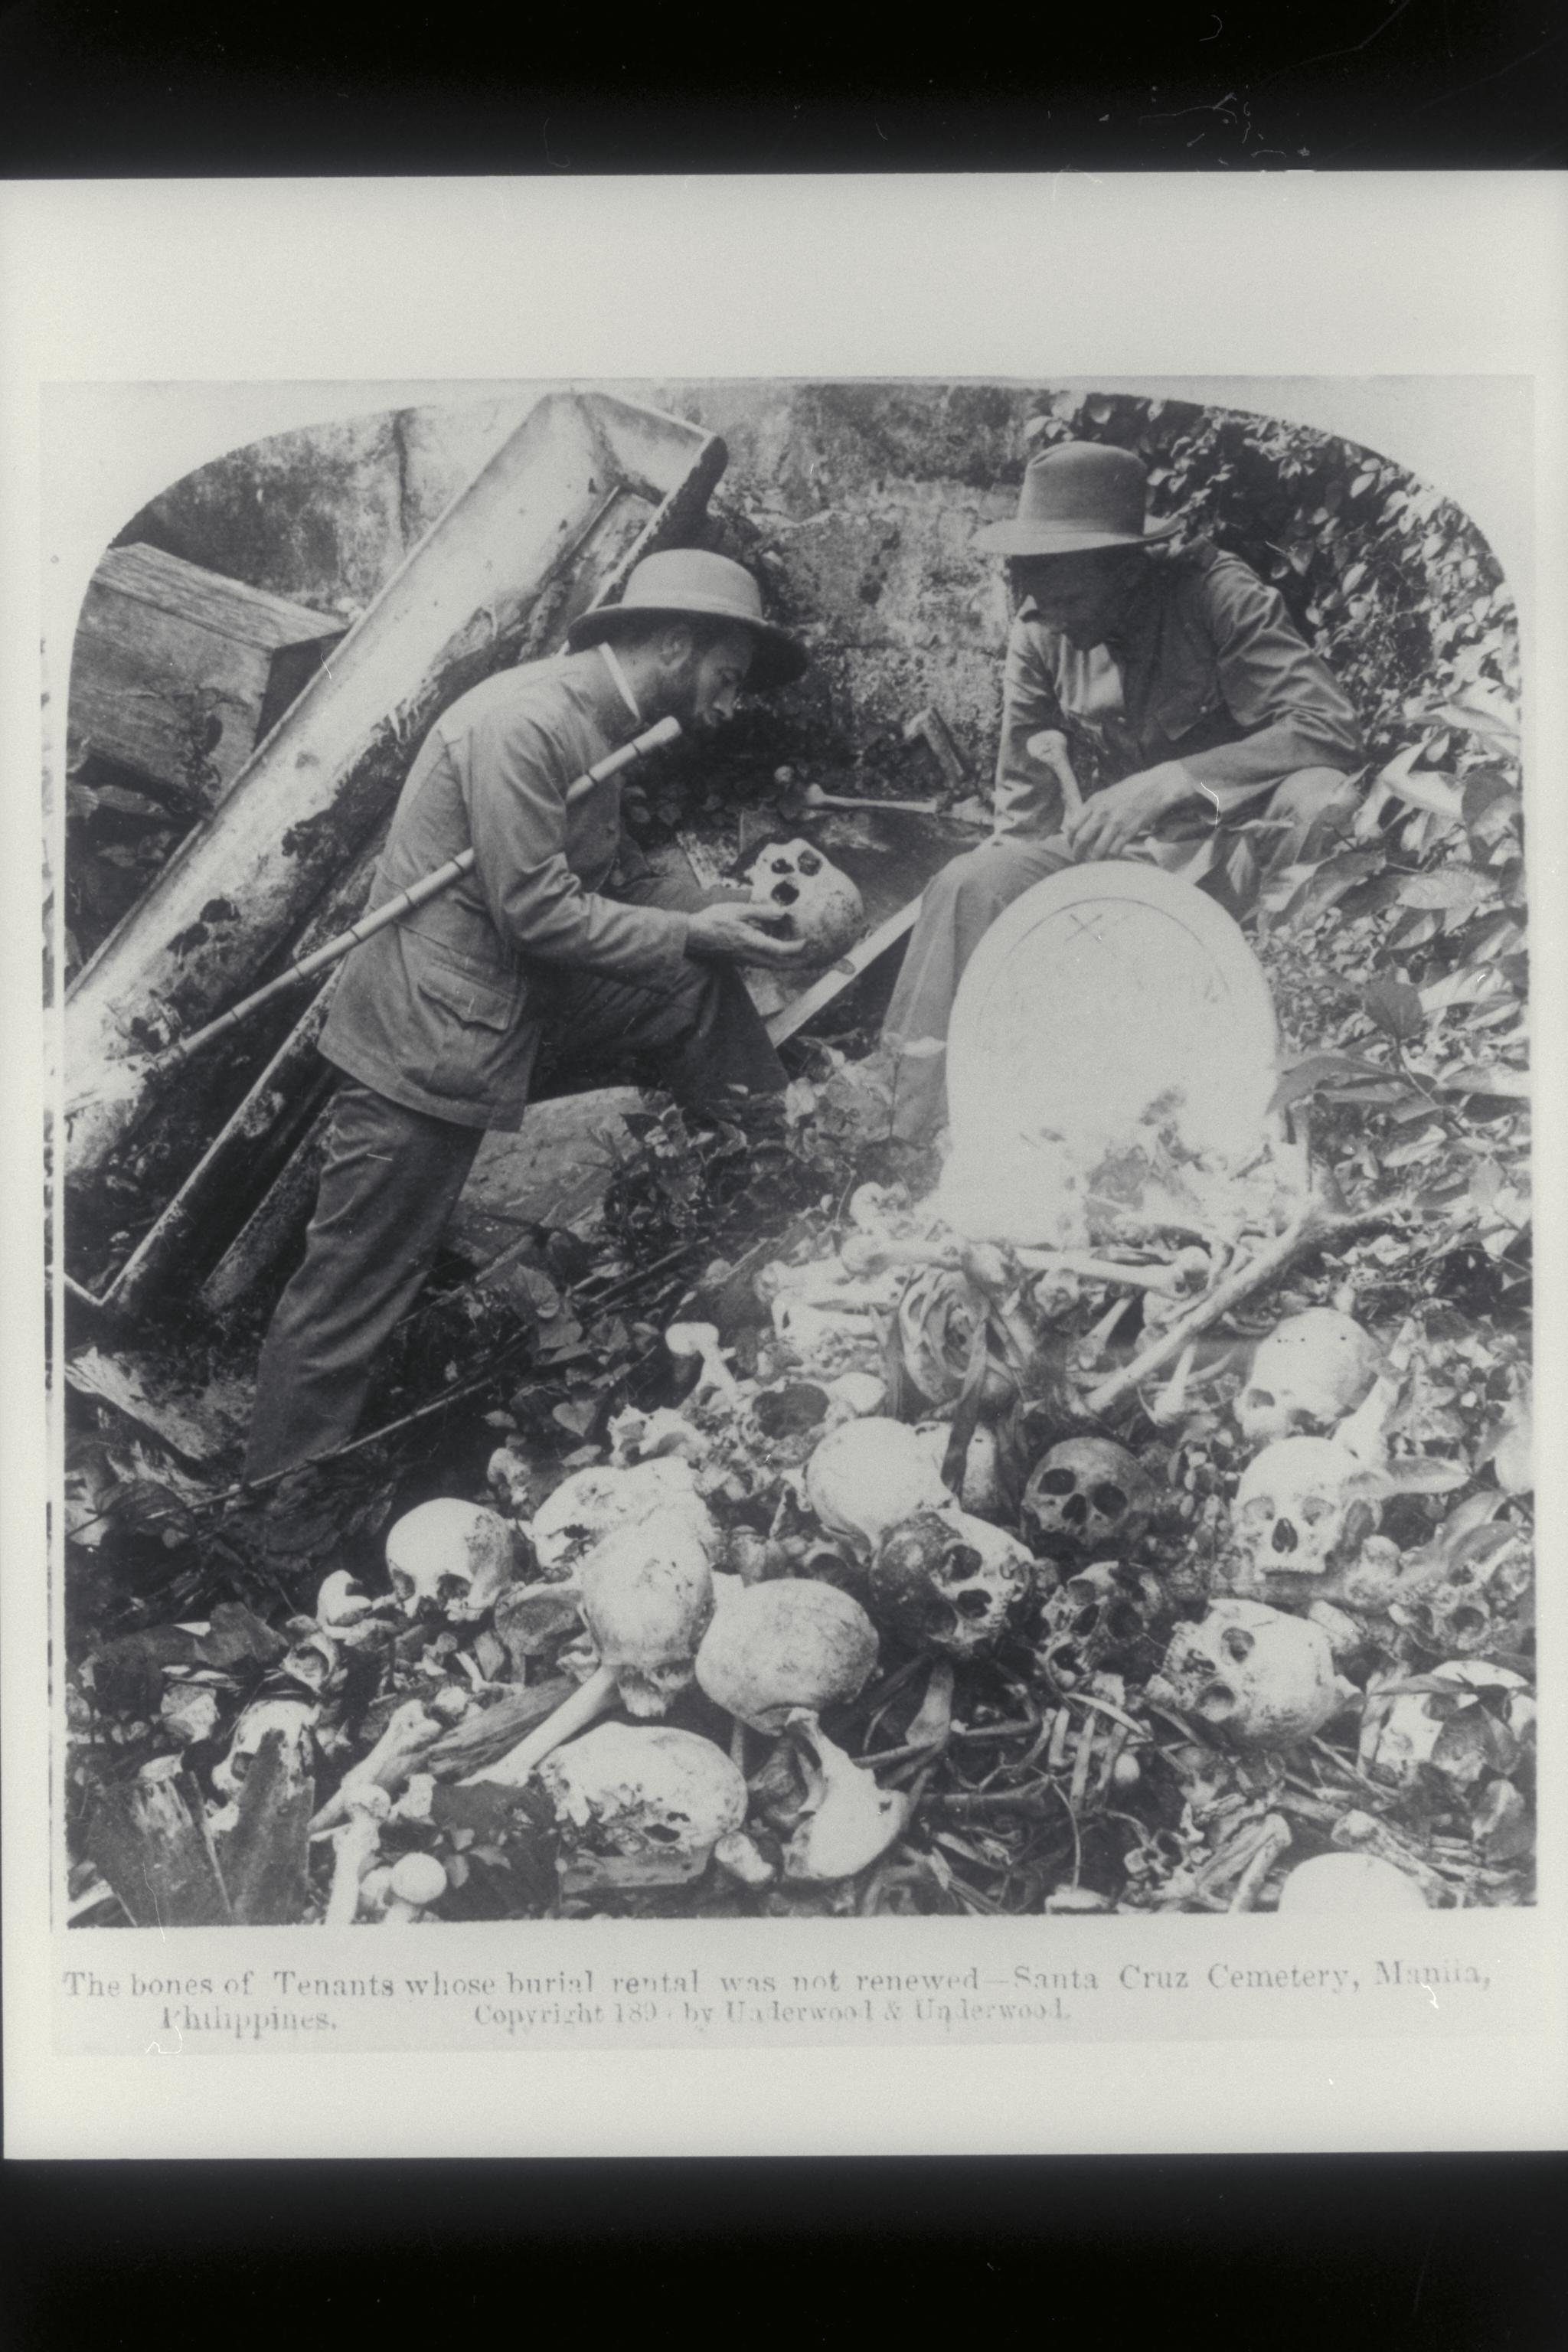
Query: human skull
1476, 1601
1478, 1723
824, 907
793, 1643
1298, 1515
659, 1798
1263, 1677
590, 1504
457, 1555
1088, 1495
1098, 1618
294, 1717
1314, 1368
647, 1596
943, 1580
871, 1475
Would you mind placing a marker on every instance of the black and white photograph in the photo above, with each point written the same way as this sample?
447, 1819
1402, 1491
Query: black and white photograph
797, 1167
771, 1384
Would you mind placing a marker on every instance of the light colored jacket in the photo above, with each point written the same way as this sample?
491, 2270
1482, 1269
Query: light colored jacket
443, 1011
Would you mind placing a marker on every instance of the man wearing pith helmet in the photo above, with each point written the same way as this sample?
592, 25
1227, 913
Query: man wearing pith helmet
1188, 706
558, 942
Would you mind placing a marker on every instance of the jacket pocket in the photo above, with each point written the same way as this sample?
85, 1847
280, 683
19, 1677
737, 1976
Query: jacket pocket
467, 997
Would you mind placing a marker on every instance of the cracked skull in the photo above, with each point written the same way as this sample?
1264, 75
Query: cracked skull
651, 1794
1088, 1495
1098, 1618
1315, 1367
943, 1580
1297, 1512
1265, 1678
823, 906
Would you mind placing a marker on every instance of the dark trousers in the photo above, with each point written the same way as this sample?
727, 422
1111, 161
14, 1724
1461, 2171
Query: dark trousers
391, 1177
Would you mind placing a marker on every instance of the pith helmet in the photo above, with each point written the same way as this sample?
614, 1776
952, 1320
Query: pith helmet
1079, 495
686, 582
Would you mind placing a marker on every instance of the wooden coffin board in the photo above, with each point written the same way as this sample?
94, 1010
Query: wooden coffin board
240, 885
229, 1185
177, 673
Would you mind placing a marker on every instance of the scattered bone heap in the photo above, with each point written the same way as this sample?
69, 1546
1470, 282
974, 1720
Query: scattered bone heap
771, 1649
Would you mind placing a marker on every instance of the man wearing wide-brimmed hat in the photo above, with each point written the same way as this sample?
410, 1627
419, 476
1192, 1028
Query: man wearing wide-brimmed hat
1191, 706
559, 943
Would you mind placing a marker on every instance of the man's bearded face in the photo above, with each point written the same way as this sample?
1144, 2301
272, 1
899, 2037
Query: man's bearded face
1080, 594
705, 680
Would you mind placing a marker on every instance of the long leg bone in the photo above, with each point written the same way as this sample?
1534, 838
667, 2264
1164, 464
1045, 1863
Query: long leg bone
355, 1849
588, 1701
409, 1732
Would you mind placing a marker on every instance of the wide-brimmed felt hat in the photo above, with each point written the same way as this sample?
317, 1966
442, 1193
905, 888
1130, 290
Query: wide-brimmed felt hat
1076, 496
685, 583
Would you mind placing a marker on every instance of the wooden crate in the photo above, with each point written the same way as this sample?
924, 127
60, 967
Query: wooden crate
178, 673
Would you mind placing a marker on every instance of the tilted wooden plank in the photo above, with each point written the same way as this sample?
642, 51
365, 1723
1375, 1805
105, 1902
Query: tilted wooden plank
240, 882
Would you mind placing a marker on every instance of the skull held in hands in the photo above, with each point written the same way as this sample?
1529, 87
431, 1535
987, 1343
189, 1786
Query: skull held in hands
1088, 1495
1299, 1515
1311, 1370
823, 906
943, 1580
1262, 1678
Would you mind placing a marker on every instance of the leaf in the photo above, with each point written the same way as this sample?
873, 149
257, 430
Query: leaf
1396, 1007
1481, 714
1453, 886
1486, 1078
1319, 1070
1490, 803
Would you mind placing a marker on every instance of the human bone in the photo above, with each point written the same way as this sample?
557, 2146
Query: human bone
510, 1477
415, 1881
1096, 1618
1251, 1671
943, 1580
189, 1711
1314, 1368
1298, 1511
647, 1792
793, 1643
339, 1600
979, 1486
1472, 1601
593, 1502
1088, 1494
647, 1596
459, 1555
848, 1821
824, 907
866, 1476
294, 1717
1451, 1734
1338, 1883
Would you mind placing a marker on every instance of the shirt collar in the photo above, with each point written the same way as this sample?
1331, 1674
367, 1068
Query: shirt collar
623, 684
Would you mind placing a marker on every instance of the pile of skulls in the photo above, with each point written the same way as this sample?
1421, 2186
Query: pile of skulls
673, 1659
